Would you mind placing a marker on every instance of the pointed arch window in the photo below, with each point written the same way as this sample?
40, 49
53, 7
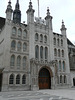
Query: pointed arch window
18, 79
14, 31
24, 33
13, 45
36, 37
58, 52
58, 42
24, 79
59, 65
19, 46
46, 52
62, 53
55, 52
12, 60
24, 62
41, 52
11, 79
65, 79
24, 47
45, 39
61, 42
63, 66
54, 41
19, 32
37, 52
18, 61
41, 38
60, 78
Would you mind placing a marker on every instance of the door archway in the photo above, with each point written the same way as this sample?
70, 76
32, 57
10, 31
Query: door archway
73, 81
44, 79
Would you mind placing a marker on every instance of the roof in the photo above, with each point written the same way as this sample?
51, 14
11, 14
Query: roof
2, 22
69, 42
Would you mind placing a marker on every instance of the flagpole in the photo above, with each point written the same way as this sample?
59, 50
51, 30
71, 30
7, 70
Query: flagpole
38, 9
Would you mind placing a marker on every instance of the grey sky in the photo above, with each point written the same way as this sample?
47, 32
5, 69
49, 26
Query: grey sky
59, 9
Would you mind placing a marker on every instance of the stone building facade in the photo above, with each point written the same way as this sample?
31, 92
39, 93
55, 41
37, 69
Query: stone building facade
32, 56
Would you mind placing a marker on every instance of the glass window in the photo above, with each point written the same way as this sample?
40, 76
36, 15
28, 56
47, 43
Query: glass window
41, 38
18, 79
59, 65
36, 37
24, 34
37, 52
58, 52
24, 47
18, 62
24, 62
19, 46
41, 52
61, 79
11, 79
19, 33
13, 45
45, 38
54, 41
61, 42
58, 42
46, 52
64, 79
63, 66
55, 52
62, 53
23, 79
14, 31
12, 60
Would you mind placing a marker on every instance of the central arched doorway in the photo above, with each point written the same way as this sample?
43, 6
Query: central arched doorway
44, 79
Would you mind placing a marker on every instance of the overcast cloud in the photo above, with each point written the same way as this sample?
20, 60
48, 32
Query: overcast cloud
59, 9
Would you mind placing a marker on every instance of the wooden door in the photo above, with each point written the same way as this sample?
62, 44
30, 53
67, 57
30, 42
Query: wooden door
44, 79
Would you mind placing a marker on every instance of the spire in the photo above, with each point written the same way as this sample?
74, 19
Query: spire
30, 5
63, 26
9, 11
17, 13
17, 5
9, 7
48, 12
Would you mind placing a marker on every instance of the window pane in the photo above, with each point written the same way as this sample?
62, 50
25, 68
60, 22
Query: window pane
11, 79
41, 52
12, 61
18, 61
24, 47
24, 34
37, 52
14, 31
19, 46
19, 32
18, 79
24, 62
24, 79
13, 45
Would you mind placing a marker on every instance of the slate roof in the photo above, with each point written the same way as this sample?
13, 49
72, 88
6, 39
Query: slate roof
69, 42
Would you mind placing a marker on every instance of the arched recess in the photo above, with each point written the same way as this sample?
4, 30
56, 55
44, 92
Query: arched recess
73, 81
44, 78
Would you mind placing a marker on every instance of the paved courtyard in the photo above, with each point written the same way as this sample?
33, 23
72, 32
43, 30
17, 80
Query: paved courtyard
64, 94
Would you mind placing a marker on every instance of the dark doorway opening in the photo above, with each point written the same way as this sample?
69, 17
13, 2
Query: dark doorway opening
44, 79
1, 81
73, 81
